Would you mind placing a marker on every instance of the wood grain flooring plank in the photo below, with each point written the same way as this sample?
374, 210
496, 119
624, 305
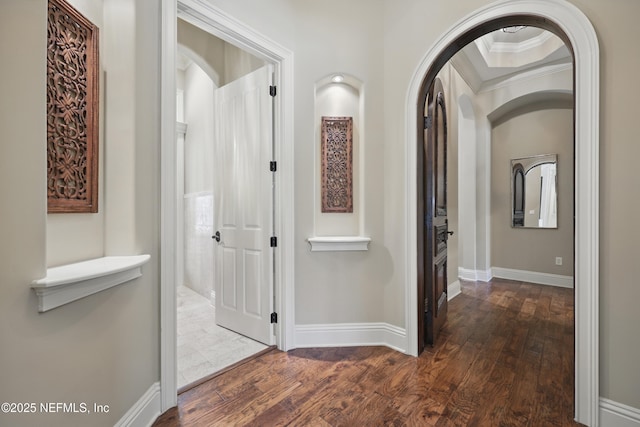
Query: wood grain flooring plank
549, 387
300, 408
450, 379
467, 398
246, 413
504, 358
374, 410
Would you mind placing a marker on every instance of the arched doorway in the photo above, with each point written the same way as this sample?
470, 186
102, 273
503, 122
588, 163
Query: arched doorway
426, 170
573, 27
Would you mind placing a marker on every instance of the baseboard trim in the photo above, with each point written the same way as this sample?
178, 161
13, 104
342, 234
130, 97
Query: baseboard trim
474, 275
454, 290
351, 335
618, 415
533, 277
145, 411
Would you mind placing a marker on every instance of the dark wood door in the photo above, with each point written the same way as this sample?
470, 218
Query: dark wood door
435, 231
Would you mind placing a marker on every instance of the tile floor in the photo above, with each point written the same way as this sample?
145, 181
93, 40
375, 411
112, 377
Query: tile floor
204, 347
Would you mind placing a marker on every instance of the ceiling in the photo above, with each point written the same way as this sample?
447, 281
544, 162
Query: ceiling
508, 52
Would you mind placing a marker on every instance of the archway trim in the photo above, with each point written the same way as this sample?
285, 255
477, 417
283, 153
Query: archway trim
581, 35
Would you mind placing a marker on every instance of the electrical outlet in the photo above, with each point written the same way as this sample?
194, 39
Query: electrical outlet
558, 260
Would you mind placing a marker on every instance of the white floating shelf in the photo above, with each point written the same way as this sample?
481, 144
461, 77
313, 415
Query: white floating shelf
71, 282
339, 243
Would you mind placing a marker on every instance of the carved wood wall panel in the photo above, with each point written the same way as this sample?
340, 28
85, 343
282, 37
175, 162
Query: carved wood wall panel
337, 160
72, 110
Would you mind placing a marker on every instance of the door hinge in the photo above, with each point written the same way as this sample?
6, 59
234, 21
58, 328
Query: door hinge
274, 317
428, 122
273, 166
272, 90
274, 241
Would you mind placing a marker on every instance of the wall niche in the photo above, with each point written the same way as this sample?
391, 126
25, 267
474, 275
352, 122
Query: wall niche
72, 110
338, 213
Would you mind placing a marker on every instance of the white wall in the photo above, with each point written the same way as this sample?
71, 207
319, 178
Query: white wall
198, 180
198, 114
467, 166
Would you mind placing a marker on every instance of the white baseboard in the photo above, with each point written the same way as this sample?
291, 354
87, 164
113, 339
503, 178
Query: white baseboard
484, 275
351, 334
533, 277
358, 334
614, 414
454, 290
474, 275
145, 411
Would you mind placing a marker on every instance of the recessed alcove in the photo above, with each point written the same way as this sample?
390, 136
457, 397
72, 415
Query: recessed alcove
95, 245
339, 96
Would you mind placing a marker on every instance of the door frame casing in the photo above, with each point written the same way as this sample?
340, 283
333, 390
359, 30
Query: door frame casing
224, 26
582, 38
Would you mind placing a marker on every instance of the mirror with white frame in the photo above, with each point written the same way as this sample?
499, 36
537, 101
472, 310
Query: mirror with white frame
534, 198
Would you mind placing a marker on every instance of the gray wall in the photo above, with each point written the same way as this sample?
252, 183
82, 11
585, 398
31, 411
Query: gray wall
619, 233
541, 131
340, 287
346, 36
66, 233
104, 348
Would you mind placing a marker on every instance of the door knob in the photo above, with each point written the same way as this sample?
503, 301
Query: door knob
216, 237
450, 233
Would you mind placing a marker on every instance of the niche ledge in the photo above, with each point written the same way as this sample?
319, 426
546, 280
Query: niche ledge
339, 243
71, 282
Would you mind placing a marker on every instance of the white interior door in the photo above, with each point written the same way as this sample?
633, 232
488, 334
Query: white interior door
243, 194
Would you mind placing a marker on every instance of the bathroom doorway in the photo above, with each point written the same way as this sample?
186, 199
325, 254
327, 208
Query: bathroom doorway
205, 64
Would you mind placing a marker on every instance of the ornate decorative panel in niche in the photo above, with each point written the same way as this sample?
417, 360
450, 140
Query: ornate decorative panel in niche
72, 110
337, 160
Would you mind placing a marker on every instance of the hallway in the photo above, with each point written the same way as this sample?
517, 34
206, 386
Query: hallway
505, 357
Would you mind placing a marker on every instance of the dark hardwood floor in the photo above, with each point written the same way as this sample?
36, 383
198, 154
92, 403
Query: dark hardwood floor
504, 358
